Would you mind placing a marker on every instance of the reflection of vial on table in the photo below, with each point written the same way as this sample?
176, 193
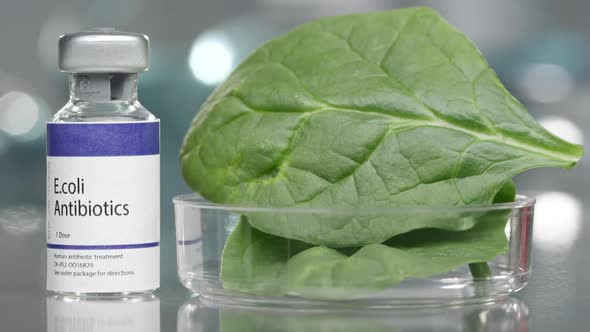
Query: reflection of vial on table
103, 171
140, 313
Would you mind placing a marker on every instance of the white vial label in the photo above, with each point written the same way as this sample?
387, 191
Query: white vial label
103, 207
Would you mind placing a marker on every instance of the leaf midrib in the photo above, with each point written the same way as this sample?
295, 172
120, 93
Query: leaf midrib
438, 122
421, 122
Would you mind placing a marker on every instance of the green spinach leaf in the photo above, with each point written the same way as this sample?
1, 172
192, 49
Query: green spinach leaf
370, 111
375, 110
255, 262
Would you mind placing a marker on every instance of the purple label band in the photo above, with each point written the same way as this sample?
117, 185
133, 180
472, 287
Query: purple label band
103, 247
79, 139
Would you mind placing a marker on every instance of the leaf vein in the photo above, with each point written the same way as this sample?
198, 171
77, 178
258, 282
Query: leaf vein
504, 140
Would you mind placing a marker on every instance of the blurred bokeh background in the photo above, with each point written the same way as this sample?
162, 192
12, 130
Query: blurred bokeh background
538, 47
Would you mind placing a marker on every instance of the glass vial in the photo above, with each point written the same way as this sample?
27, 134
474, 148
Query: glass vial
103, 171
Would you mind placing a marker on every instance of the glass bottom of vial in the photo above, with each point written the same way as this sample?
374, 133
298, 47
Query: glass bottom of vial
116, 296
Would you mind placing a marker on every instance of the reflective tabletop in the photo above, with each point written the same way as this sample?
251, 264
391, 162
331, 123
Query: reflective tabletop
557, 296
540, 50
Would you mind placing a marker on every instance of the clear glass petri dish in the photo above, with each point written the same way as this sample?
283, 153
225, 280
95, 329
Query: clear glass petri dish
507, 315
255, 256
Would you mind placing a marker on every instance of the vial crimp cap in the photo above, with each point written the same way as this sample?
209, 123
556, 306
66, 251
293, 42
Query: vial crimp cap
103, 51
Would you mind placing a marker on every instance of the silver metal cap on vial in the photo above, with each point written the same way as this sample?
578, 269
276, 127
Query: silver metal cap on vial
103, 51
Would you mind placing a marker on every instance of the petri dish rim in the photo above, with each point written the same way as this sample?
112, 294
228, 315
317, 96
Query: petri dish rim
195, 200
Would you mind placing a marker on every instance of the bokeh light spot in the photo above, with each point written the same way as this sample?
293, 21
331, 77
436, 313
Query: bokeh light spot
211, 58
19, 113
558, 219
563, 128
546, 83
21, 220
